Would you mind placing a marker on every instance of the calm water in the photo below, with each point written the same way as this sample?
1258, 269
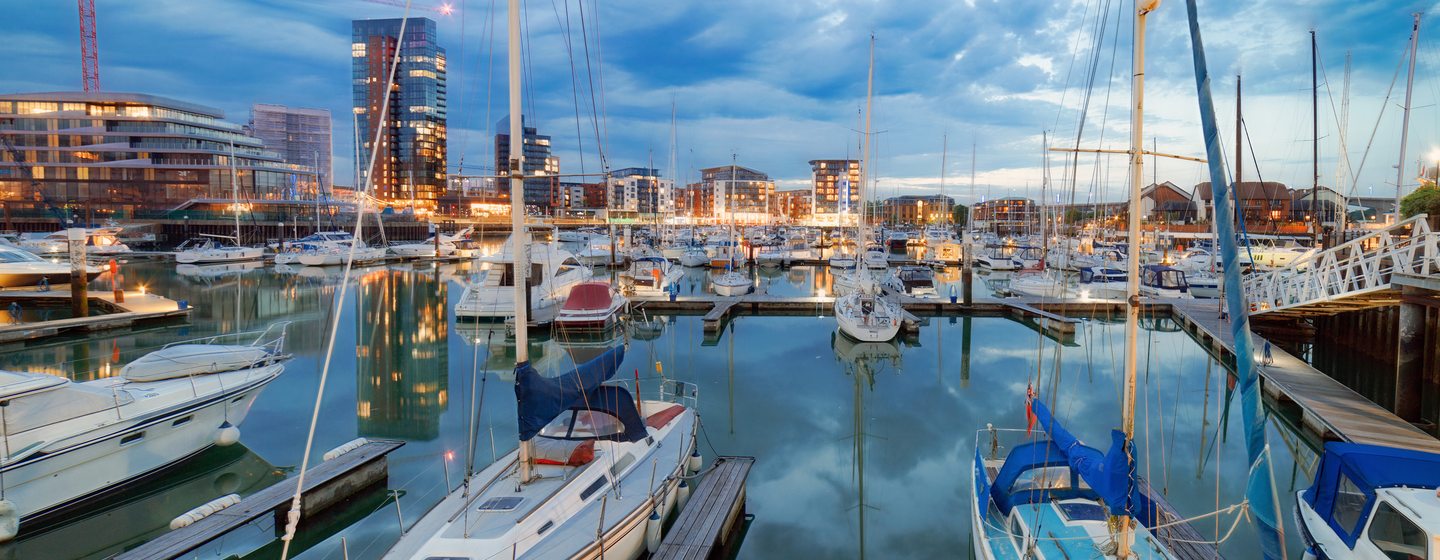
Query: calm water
862, 449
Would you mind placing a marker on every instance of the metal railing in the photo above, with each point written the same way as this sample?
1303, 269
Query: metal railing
1361, 266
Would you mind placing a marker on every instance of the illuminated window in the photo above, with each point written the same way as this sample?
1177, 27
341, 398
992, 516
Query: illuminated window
357, 50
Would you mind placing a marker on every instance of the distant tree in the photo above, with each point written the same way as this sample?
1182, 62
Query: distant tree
1425, 200
959, 215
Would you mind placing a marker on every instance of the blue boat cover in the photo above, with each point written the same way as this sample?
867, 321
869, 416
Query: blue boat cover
1368, 467
539, 399
1108, 473
1020, 459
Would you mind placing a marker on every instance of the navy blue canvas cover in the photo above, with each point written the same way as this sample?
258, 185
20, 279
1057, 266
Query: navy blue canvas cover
540, 399
1369, 467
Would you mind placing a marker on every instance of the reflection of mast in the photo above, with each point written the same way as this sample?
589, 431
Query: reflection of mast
861, 369
732, 376
965, 352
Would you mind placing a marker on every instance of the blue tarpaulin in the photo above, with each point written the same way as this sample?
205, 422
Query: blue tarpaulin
540, 400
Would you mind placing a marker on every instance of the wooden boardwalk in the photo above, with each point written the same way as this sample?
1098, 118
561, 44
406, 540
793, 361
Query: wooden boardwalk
1329, 408
1180, 538
707, 526
326, 484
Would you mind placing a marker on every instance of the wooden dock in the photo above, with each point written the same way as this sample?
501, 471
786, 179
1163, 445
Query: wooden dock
1180, 538
136, 309
1328, 408
326, 484
709, 524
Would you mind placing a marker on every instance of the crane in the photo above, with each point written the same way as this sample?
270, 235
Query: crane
89, 51
443, 9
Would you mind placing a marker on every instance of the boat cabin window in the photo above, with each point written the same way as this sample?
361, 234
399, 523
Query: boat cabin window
16, 256
1017, 531
567, 267
537, 274
1349, 505
1397, 536
1170, 279
583, 424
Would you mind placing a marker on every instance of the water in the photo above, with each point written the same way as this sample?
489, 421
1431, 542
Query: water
862, 449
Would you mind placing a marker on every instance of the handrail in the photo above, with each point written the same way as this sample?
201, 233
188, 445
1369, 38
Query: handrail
1360, 266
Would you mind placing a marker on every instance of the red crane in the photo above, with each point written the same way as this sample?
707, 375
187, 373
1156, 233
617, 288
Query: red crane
89, 52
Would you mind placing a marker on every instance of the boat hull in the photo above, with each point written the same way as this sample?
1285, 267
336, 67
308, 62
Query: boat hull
239, 254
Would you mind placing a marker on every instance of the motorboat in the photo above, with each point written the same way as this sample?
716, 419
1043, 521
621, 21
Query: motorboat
897, 241
913, 281
1101, 282
875, 258
725, 254
1203, 285
490, 293
591, 306
101, 242
290, 252
1043, 284
599, 251
1371, 502
215, 249
338, 255
1051, 496
573, 236
694, 257
996, 258
732, 283
842, 261
1160, 281
651, 276
865, 316
19, 268
70, 441
430, 248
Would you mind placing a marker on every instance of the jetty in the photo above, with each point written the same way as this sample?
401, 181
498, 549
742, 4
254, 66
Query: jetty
710, 525
137, 308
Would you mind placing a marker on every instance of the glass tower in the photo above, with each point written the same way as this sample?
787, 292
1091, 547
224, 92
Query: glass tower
410, 168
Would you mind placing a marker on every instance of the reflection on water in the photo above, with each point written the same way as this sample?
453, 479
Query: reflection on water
402, 374
863, 362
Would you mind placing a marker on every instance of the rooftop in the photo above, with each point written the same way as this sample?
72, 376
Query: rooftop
114, 97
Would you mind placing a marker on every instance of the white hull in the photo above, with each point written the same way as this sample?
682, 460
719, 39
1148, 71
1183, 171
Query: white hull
694, 259
882, 323
337, 258
842, 262
996, 263
219, 256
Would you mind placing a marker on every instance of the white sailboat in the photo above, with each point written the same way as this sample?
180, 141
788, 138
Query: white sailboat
218, 249
597, 469
445, 247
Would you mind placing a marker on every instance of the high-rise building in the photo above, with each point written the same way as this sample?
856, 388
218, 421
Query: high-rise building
540, 167
836, 194
96, 155
410, 168
740, 194
640, 190
792, 206
300, 136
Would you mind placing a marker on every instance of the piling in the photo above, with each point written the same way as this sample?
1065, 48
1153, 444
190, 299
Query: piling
79, 298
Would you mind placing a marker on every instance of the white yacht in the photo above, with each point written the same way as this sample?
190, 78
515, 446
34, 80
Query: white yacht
1160, 281
694, 257
427, 249
67, 441
1101, 282
591, 306
842, 261
1046, 284
913, 281
489, 295
651, 276
995, 258
290, 252
338, 254
1371, 502
599, 252
19, 268
101, 242
875, 258
732, 283
867, 317
213, 249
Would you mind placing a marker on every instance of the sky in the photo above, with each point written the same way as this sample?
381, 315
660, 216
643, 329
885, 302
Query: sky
778, 84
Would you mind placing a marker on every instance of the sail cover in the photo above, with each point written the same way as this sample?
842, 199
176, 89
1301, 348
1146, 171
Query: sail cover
1109, 474
540, 400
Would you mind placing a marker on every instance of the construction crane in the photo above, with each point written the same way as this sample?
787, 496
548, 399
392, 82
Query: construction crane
443, 9
89, 51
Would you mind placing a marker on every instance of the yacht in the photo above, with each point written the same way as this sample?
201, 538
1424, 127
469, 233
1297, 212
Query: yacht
732, 283
101, 242
591, 306
490, 293
289, 252
1371, 502
599, 252
842, 261
725, 254
446, 246
1203, 285
19, 268
1043, 284
1101, 282
897, 241
865, 316
68, 441
875, 258
651, 276
1160, 281
337, 255
914, 281
995, 258
214, 249
694, 257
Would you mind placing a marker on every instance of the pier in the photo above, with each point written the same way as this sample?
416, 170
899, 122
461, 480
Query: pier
709, 526
327, 484
137, 308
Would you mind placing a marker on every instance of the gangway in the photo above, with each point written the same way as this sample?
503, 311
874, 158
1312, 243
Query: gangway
1352, 276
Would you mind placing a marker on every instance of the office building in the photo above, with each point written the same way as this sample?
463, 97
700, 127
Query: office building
542, 187
410, 168
739, 194
836, 194
99, 155
301, 136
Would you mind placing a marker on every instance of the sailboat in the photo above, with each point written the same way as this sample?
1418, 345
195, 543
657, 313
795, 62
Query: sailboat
212, 249
597, 469
731, 282
862, 313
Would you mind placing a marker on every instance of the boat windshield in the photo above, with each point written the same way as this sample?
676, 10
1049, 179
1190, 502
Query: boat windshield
583, 424
10, 255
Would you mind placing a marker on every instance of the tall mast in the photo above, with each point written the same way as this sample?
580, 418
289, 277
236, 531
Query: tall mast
865, 149
1405, 123
1132, 278
520, 238
944, 151
1342, 167
1315, 137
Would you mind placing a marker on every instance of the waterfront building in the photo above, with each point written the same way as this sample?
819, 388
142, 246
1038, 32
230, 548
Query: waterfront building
738, 193
475, 196
300, 136
1262, 203
1329, 205
835, 197
694, 203
917, 209
793, 206
90, 156
540, 168
410, 170
640, 190
1166, 202
1006, 216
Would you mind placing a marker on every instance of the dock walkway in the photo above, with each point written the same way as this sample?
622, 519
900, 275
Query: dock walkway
137, 308
1180, 538
325, 484
708, 524
1328, 407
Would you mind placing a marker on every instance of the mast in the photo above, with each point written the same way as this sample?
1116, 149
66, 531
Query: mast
1315, 137
521, 239
1405, 122
1132, 278
235, 193
1342, 167
944, 151
864, 229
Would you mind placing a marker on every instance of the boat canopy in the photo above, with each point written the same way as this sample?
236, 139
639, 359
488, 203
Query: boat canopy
588, 296
1110, 474
1164, 277
41, 406
539, 400
192, 359
1349, 474
15, 383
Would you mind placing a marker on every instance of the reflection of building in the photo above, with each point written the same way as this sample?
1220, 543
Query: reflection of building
540, 167
1006, 216
402, 370
740, 194
128, 155
836, 191
300, 136
411, 163
917, 209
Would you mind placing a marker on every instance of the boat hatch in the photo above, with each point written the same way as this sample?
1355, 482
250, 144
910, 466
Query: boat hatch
1081, 511
503, 503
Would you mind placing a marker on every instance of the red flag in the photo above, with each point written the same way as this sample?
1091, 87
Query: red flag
1030, 418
